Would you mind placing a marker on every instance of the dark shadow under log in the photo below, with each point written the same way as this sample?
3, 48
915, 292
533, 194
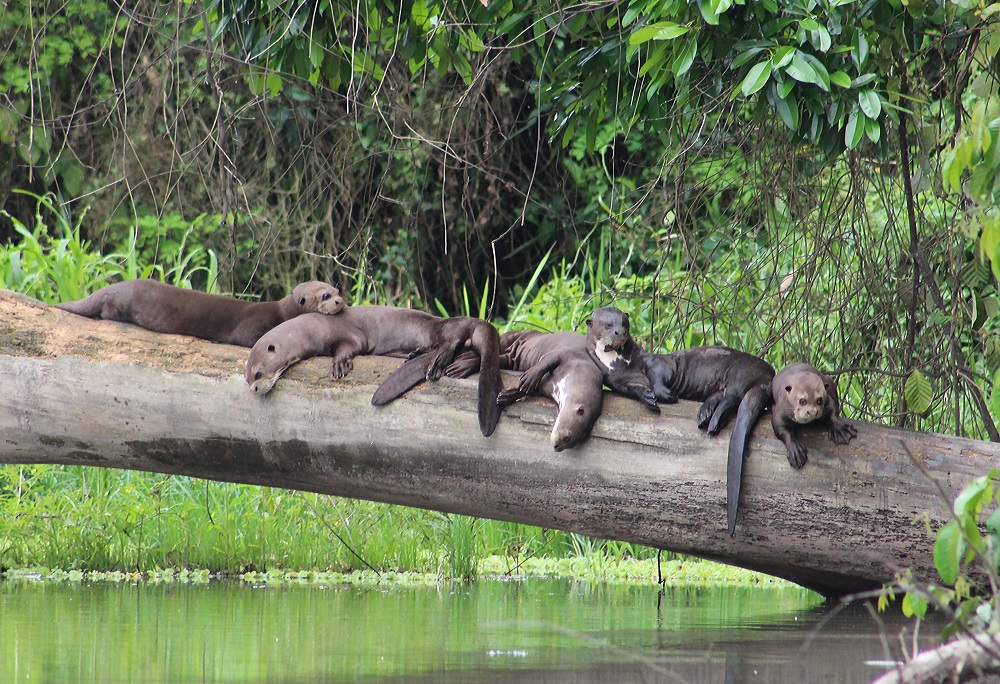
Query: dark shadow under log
84, 392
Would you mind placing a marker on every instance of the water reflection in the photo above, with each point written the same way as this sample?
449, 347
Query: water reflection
533, 631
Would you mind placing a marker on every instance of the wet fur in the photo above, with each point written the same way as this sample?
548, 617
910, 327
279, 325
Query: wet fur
165, 308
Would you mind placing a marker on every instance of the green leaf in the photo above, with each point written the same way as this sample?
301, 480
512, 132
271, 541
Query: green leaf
800, 70
873, 130
995, 396
783, 55
683, 61
948, 550
839, 78
707, 13
970, 499
788, 110
917, 392
854, 130
993, 522
914, 605
820, 38
870, 104
745, 57
663, 30
756, 78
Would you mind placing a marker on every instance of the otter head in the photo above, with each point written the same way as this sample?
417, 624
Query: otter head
807, 396
574, 420
265, 365
572, 426
608, 335
319, 297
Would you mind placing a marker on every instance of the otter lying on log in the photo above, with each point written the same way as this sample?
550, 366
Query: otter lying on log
165, 308
384, 330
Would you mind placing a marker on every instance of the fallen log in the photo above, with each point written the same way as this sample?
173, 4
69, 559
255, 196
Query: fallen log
106, 394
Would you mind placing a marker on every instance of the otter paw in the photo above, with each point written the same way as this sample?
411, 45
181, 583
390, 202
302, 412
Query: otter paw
462, 368
797, 455
341, 367
508, 396
842, 433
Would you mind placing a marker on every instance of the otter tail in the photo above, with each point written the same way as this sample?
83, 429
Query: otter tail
403, 379
486, 341
754, 402
90, 307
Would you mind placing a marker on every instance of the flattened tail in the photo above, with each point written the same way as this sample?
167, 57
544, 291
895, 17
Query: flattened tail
403, 379
486, 341
751, 407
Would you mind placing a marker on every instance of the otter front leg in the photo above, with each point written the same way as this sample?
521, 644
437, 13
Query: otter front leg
633, 384
797, 454
343, 357
715, 411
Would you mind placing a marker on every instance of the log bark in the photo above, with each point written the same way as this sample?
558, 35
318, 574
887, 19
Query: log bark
83, 392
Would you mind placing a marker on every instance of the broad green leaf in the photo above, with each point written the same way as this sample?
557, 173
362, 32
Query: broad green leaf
820, 69
710, 16
993, 522
788, 110
870, 104
820, 38
756, 78
663, 30
948, 550
683, 61
655, 59
809, 24
873, 130
785, 87
800, 70
839, 78
914, 605
918, 392
745, 57
970, 499
783, 55
854, 130
863, 80
860, 51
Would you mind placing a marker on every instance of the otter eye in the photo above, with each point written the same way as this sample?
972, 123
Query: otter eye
581, 411
270, 348
326, 296
256, 376
803, 402
788, 388
820, 401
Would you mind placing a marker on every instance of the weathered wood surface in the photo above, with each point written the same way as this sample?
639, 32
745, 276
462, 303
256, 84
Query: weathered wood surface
84, 392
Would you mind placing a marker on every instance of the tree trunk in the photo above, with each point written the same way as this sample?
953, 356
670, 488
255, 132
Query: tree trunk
85, 392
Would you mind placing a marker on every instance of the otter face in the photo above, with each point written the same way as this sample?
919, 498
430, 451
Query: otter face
807, 397
608, 330
265, 366
572, 426
319, 297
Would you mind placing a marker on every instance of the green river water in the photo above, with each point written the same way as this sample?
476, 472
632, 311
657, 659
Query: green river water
536, 630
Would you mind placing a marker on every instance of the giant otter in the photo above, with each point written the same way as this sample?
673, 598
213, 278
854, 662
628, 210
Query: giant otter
555, 365
166, 308
723, 379
361, 330
803, 395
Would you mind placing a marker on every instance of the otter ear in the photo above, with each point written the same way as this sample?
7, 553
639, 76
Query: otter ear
270, 347
588, 322
788, 388
302, 302
826, 385
580, 411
